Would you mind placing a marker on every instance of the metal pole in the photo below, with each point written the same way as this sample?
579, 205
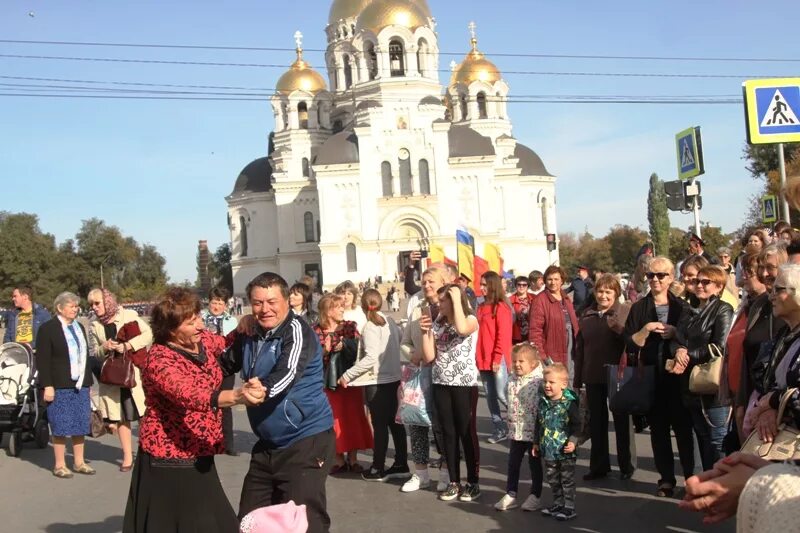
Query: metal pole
696, 209
102, 285
782, 168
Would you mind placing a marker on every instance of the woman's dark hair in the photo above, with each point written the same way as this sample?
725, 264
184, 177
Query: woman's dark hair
371, 302
219, 293
608, 281
555, 269
494, 290
521, 279
444, 291
174, 307
305, 291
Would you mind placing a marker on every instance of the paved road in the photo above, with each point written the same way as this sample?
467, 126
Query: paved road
33, 500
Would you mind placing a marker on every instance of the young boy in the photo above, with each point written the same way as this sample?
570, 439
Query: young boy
523, 398
556, 440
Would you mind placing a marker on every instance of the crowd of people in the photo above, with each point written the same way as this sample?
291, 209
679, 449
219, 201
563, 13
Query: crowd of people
542, 350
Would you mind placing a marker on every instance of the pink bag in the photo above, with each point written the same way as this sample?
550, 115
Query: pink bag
284, 518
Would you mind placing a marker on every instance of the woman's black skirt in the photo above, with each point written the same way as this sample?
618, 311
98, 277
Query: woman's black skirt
177, 496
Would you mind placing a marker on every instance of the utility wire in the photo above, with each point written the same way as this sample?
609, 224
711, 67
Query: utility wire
268, 92
283, 66
494, 54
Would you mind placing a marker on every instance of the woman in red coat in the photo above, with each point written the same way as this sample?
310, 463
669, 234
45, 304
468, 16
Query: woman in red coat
554, 325
493, 355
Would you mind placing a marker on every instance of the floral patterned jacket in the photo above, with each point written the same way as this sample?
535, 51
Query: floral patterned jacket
523, 401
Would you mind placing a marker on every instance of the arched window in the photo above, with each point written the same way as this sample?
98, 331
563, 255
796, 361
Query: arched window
302, 115
463, 102
422, 55
372, 61
348, 72
352, 260
242, 237
319, 232
406, 188
397, 59
482, 112
308, 226
424, 177
545, 220
386, 179
306, 169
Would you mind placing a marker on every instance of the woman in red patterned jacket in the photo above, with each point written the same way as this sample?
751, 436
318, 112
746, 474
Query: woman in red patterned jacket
175, 486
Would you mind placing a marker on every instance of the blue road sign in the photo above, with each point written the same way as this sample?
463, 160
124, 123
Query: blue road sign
772, 108
690, 153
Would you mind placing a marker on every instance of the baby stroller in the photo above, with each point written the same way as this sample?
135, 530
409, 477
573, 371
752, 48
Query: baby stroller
21, 412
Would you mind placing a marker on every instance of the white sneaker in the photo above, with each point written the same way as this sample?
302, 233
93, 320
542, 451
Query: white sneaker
416, 483
444, 480
531, 503
507, 502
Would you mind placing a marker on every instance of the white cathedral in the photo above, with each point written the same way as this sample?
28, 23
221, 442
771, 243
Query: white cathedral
387, 161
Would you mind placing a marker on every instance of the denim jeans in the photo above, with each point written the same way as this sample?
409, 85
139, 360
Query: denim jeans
710, 437
494, 384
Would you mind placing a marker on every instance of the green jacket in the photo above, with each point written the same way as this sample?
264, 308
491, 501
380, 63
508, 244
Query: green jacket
559, 421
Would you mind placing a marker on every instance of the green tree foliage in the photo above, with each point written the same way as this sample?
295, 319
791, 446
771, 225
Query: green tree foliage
31, 257
658, 215
221, 267
624, 243
584, 250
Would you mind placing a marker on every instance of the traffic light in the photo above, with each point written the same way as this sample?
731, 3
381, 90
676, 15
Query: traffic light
676, 200
551, 242
691, 191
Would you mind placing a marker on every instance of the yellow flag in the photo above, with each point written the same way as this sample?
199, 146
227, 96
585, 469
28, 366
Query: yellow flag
436, 253
465, 246
492, 255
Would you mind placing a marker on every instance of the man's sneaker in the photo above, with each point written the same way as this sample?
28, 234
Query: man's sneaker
444, 480
415, 483
552, 510
498, 436
373, 474
531, 503
566, 514
398, 472
470, 493
450, 493
506, 502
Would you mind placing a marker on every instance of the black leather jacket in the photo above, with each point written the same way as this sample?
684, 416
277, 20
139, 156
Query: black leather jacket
700, 328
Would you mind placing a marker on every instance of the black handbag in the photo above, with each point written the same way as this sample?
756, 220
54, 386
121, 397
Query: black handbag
340, 362
631, 389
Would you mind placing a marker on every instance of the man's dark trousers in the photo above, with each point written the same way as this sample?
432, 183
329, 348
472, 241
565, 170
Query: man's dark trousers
297, 473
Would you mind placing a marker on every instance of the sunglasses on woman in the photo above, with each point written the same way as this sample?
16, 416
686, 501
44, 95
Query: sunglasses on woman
659, 275
704, 282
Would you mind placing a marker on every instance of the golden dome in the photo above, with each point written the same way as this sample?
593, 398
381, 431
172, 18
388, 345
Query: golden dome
345, 9
423, 5
382, 13
300, 76
475, 66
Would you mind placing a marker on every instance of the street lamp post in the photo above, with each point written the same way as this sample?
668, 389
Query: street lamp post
103, 262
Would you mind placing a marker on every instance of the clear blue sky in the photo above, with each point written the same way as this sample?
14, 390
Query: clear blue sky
160, 169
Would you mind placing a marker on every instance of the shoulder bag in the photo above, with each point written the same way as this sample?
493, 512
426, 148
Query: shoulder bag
706, 377
340, 362
118, 370
631, 389
786, 444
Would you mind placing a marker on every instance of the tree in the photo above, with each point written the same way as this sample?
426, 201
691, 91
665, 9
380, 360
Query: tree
762, 163
28, 257
624, 243
658, 215
220, 268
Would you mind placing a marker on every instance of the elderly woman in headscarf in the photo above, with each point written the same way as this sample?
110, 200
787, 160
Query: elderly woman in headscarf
120, 405
64, 376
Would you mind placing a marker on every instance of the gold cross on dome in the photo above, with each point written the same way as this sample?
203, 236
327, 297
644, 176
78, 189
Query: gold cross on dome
472, 27
298, 39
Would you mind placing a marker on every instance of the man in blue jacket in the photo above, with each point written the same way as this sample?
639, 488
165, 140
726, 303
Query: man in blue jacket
23, 322
294, 425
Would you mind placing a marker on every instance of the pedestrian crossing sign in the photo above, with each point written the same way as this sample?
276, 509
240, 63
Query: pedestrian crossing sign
690, 153
772, 110
769, 209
